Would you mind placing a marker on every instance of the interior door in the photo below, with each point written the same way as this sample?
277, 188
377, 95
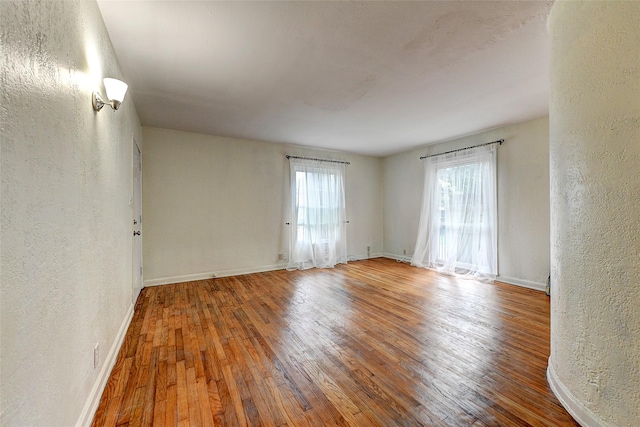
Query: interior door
137, 220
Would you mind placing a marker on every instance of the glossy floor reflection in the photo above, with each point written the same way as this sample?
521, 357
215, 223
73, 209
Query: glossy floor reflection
374, 342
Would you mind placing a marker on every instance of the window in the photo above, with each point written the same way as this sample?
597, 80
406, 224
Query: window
318, 233
458, 232
315, 218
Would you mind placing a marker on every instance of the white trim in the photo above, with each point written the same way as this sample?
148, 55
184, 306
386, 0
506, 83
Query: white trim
211, 275
523, 283
179, 279
403, 258
574, 407
353, 258
241, 271
235, 272
508, 280
91, 405
136, 146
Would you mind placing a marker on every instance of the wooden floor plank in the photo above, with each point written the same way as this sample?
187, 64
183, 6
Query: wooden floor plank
374, 342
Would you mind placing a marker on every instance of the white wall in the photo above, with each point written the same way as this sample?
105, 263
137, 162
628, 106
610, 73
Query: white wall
594, 367
523, 199
66, 176
214, 205
205, 214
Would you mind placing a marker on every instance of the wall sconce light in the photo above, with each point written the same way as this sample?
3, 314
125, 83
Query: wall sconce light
116, 89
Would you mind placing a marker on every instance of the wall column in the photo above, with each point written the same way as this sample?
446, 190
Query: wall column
594, 122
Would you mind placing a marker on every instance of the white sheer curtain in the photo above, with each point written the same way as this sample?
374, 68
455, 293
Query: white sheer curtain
458, 229
318, 235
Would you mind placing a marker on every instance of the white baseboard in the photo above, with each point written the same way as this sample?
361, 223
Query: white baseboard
91, 405
510, 280
578, 411
523, 283
360, 257
403, 258
210, 275
235, 272
179, 279
241, 271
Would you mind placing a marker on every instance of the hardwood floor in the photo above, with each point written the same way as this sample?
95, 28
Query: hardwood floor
371, 343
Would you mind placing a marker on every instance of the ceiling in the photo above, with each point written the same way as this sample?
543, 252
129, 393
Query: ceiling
375, 78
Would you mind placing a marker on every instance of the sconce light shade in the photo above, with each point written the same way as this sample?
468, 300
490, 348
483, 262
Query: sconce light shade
116, 90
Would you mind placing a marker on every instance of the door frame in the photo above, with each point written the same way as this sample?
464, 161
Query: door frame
136, 241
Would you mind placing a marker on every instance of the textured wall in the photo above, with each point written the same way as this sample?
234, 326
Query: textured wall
216, 205
595, 205
523, 199
66, 252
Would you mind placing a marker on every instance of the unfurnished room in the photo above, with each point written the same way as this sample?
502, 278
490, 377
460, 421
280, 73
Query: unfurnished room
319, 213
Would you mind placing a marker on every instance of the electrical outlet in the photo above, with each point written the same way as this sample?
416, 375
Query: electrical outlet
404, 252
96, 355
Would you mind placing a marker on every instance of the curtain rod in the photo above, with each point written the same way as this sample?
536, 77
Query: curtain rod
319, 160
500, 141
